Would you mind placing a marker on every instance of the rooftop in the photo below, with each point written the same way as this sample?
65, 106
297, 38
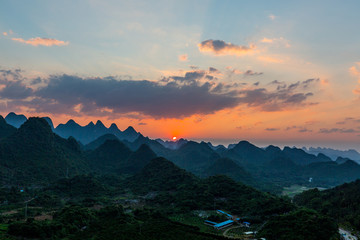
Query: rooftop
219, 225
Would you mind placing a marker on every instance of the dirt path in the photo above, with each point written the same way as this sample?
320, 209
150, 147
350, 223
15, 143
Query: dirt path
226, 231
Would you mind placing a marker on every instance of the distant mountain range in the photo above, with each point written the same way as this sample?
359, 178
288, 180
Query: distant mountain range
36, 151
91, 132
84, 134
334, 154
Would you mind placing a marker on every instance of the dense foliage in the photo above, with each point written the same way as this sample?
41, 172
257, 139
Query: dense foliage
76, 222
5, 129
34, 154
341, 203
302, 224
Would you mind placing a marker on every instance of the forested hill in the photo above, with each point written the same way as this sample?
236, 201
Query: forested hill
34, 153
341, 202
84, 190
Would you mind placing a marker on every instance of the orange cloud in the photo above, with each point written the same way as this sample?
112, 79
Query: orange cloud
220, 47
357, 91
48, 42
267, 40
354, 70
183, 57
5, 33
279, 41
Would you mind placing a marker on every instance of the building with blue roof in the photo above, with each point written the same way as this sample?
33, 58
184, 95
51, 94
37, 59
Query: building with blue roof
247, 224
224, 224
207, 222
227, 215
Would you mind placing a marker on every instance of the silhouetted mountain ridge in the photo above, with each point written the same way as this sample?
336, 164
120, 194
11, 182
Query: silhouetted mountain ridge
15, 120
35, 154
5, 128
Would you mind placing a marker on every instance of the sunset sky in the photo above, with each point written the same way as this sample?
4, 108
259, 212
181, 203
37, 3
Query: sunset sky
270, 72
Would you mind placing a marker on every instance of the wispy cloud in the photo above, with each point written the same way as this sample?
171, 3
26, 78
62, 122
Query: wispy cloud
279, 41
354, 70
8, 33
252, 73
300, 129
38, 41
220, 47
272, 129
338, 130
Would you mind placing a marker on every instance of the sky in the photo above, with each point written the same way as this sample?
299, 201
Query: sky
270, 72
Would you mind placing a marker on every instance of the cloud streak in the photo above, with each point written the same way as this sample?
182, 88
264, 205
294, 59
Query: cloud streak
220, 47
38, 41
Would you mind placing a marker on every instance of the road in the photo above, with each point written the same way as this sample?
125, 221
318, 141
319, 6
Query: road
347, 235
226, 231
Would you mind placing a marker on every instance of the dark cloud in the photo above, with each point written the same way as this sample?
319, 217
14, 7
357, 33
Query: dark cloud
297, 97
171, 97
209, 77
142, 124
193, 67
146, 97
220, 47
256, 84
351, 119
308, 82
213, 70
13, 85
298, 85
300, 129
273, 100
15, 90
252, 73
191, 76
338, 130
276, 82
36, 81
271, 129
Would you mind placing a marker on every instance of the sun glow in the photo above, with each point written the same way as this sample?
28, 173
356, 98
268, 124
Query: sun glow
174, 138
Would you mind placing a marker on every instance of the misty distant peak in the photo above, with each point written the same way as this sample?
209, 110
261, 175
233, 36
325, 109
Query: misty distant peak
272, 148
15, 120
71, 122
113, 126
245, 144
12, 114
99, 124
91, 124
130, 129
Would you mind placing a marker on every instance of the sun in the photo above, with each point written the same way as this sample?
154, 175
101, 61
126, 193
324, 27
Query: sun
174, 138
